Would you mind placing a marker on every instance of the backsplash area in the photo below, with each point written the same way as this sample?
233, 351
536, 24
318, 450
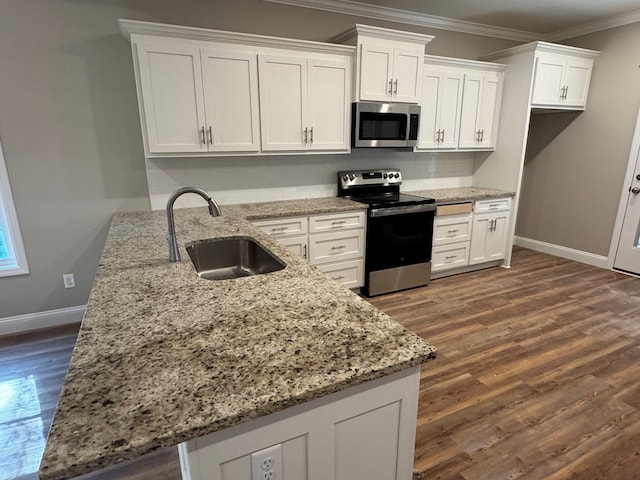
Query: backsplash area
268, 178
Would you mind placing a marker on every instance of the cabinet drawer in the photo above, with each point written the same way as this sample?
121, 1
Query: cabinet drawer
336, 246
492, 205
338, 221
449, 256
281, 227
454, 209
350, 274
452, 229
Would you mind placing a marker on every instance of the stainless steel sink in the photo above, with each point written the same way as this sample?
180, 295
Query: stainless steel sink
224, 258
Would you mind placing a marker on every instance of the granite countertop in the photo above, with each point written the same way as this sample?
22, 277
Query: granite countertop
163, 356
452, 195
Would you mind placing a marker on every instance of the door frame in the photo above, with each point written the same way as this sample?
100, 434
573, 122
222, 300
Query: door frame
632, 163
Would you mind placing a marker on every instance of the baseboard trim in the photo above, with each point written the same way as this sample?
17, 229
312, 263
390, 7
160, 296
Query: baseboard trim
35, 321
560, 251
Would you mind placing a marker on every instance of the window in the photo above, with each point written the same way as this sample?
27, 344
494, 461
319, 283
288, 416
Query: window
13, 260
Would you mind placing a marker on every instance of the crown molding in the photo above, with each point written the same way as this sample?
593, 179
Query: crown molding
540, 47
350, 7
136, 27
596, 26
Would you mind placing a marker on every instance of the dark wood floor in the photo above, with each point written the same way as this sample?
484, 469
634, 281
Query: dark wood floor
537, 375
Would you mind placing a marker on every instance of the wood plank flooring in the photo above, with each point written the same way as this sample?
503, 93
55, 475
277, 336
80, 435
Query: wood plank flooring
536, 377
537, 372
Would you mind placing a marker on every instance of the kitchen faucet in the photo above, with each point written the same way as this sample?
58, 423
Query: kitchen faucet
214, 211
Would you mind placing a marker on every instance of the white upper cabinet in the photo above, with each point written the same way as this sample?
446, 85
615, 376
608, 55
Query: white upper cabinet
441, 105
304, 103
172, 97
390, 74
198, 99
460, 104
231, 100
214, 93
389, 63
561, 81
480, 110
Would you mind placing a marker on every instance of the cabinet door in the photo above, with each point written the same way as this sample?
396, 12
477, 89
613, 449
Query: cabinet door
547, 84
488, 237
430, 101
480, 109
489, 109
298, 245
329, 104
231, 100
375, 72
283, 105
407, 75
172, 97
471, 105
576, 80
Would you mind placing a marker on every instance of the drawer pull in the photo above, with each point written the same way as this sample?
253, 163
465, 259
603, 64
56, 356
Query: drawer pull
449, 257
339, 222
494, 205
339, 277
279, 229
453, 231
338, 247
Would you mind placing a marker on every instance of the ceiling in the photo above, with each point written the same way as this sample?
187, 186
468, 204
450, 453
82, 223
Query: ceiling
514, 19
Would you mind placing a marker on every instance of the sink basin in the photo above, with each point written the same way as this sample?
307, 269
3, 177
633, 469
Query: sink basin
224, 258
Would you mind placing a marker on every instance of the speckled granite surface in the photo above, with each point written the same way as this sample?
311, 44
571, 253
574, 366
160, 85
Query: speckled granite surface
450, 195
164, 356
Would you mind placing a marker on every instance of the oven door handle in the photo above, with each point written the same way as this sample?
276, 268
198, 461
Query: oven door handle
385, 212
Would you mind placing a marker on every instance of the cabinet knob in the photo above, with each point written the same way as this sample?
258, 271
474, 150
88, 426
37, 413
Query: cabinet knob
635, 190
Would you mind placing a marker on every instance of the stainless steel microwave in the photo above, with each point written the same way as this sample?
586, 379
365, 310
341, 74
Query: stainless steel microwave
384, 124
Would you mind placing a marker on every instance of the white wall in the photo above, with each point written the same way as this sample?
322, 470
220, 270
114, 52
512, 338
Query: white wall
71, 134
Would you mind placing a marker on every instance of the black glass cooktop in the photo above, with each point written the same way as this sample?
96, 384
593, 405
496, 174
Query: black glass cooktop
391, 199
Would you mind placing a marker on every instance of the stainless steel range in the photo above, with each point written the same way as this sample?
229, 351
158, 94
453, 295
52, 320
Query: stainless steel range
399, 230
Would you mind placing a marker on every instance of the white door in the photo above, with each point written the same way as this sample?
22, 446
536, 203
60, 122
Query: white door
231, 100
407, 75
488, 237
489, 106
627, 256
376, 83
548, 79
441, 105
283, 102
328, 105
576, 81
171, 87
471, 105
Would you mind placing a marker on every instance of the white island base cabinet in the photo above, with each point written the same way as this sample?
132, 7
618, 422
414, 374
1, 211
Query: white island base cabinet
366, 432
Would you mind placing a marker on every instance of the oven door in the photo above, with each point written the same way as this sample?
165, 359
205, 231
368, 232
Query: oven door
398, 248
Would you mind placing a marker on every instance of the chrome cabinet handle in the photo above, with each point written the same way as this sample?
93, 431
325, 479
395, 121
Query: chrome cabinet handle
339, 277
306, 134
339, 247
438, 136
449, 257
204, 142
391, 87
442, 135
304, 252
279, 229
482, 135
311, 135
478, 136
395, 87
210, 135
453, 231
338, 222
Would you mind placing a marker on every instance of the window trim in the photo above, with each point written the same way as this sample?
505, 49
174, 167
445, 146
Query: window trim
17, 262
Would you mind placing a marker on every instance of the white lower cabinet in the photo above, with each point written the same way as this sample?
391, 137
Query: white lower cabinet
468, 234
490, 228
333, 242
365, 432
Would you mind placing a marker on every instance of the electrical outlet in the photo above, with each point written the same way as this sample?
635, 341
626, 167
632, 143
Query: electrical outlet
267, 464
69, 280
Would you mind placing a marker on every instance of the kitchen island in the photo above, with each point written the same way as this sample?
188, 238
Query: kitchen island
164, 357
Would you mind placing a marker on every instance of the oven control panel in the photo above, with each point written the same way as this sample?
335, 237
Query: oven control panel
387, 176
